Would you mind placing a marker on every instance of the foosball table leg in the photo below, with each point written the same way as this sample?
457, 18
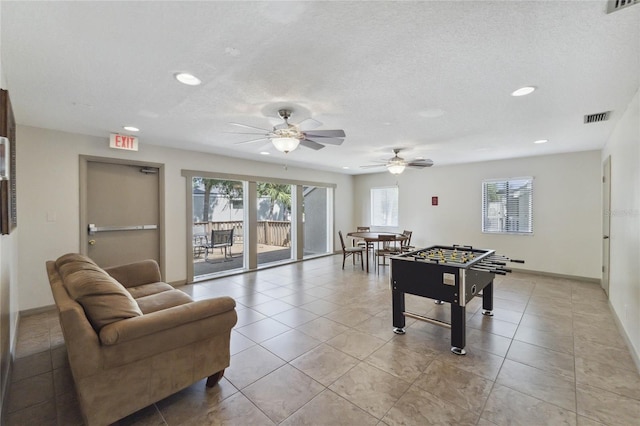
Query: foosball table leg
458, 351
458, 329
487, 299
397, 301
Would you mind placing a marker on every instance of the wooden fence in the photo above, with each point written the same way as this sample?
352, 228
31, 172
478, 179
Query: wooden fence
270, 232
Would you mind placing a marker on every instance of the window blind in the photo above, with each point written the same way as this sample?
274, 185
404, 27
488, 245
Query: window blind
384, 206
507, 205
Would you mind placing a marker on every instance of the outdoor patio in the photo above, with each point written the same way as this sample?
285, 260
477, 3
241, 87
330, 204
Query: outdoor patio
216, 261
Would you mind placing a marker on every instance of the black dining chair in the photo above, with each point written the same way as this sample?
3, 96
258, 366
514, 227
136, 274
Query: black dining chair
351, 251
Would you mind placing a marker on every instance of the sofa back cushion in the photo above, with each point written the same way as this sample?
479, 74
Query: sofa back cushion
103, 299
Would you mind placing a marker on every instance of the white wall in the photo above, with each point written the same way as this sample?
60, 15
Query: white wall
624, 284
48, 179
566, 209
8, 289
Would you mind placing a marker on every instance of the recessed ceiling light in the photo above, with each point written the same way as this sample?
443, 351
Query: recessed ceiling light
345, 167
188, 79
264, 153
131, 129
523, 91
541, 141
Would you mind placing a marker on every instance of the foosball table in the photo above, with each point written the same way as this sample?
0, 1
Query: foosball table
453, 274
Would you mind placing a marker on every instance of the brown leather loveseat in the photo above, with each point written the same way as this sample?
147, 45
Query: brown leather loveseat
132, 339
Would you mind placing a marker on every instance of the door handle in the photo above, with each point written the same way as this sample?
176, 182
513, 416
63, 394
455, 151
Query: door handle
605, 237
92, 242
93, 228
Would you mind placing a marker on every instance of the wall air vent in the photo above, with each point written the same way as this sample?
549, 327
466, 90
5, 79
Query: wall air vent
596, 118
615, 5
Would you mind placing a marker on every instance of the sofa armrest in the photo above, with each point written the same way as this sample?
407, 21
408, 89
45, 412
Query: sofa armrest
137, 273
134, 328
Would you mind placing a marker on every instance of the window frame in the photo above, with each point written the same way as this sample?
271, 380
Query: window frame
487, 229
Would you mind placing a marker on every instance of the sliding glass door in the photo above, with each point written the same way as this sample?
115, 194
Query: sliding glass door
317, 214
241, 223
274, 222
218, 226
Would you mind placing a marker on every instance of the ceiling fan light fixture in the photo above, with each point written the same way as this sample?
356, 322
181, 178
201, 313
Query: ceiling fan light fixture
188, 79
285, 145
523, 91
396, 168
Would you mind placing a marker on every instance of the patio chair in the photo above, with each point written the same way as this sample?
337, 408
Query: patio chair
351, 251
222, 239
200, 240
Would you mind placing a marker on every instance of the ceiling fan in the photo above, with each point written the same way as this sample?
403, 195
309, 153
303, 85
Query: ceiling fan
286, 136
396, 165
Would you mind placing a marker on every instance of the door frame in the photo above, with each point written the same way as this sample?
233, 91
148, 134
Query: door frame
250, 219
606, 224
84, 220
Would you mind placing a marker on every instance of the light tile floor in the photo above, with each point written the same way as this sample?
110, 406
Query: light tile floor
314, 346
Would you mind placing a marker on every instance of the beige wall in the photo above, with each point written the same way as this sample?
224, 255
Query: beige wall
624, 285
48, 174
566, 209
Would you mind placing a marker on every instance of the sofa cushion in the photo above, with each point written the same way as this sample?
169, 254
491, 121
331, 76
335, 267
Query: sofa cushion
148, 289
103, 298
137, 273
163, 300
73, 258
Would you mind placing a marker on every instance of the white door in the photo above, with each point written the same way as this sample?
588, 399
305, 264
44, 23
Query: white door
606, 222
122, 213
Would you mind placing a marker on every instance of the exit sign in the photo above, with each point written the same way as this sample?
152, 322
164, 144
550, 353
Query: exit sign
130, 143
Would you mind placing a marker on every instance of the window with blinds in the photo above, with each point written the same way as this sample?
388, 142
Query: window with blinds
384, 206
507, 206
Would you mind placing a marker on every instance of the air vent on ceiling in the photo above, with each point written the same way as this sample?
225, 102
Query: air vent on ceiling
615, 5
596, 118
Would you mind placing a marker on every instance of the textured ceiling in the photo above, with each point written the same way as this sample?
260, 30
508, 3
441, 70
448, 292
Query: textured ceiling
431, 77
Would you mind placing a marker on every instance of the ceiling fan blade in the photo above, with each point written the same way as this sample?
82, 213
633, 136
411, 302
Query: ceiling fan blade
247, 133
309, 123
311, 144
250, 127
328, 141
252, 140
420, 163
326, 134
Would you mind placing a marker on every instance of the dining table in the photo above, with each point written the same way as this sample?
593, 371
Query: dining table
373, 237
